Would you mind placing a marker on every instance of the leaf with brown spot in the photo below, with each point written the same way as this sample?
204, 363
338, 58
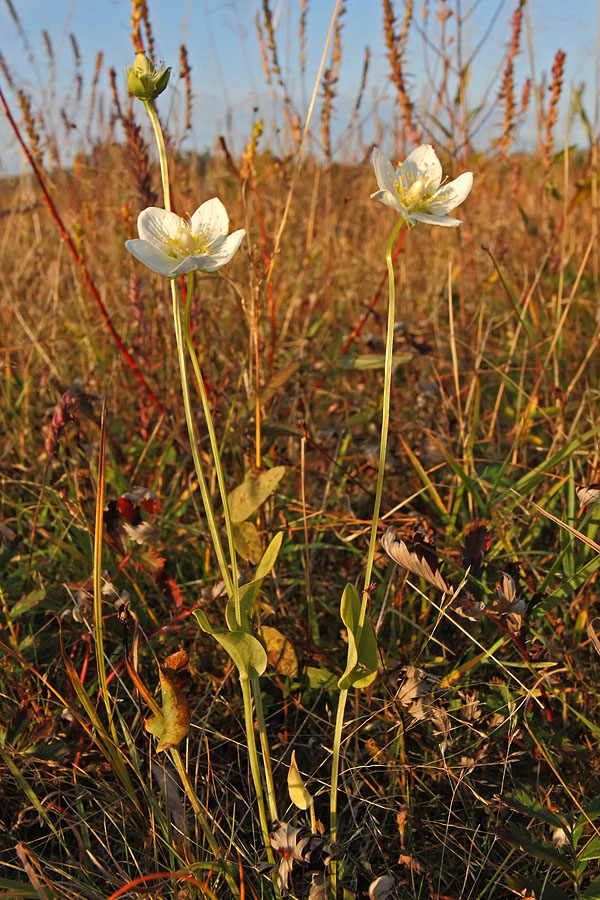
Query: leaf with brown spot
173, 723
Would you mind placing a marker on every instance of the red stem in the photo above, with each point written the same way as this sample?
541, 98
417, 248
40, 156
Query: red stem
86, 275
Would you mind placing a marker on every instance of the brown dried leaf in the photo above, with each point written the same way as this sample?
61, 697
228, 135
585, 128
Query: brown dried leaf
173, 723
417, 564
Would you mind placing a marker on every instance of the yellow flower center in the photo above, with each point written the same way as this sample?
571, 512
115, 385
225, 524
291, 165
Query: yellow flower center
416, 191
184, 243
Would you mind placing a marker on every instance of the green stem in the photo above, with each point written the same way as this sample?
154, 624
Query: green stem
266, 752
201, 817
385, 420
185, 389
254, 765
213, 444
162, 151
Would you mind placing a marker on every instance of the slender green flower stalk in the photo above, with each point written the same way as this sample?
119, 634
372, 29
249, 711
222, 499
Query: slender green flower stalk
415, 190
385, 419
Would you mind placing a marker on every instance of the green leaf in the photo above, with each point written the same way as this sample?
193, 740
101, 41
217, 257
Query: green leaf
247, 653
249, 592
17, 888
530, 806
362, 662
26, 603
544, 851
321, 679
590, 812
373, 361
592, 891
591, 850
249, 496
173, 723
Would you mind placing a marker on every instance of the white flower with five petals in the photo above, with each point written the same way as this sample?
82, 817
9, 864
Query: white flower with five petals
171, 246
415, 188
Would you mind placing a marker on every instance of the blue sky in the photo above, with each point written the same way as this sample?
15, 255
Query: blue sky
227, 75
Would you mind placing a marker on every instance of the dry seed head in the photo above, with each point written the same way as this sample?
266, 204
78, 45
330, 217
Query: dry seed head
31, 128
6, 72
263, 50
552, 113
395, 47
75, 48
363, 79
302, 35
48, 46
184, 73
507, 90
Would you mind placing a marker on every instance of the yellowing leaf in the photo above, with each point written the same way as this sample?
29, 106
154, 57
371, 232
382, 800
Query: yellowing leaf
247, 541
172, 724
249, 496
299, 795
280, 652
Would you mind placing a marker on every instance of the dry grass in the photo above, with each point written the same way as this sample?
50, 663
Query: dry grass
495, 403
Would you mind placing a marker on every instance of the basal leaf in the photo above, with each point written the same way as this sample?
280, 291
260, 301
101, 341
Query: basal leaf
246, 652
361, 663
249, 496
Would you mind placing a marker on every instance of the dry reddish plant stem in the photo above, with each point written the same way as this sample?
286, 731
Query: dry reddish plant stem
86, 275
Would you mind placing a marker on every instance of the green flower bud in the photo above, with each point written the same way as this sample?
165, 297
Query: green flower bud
145, 80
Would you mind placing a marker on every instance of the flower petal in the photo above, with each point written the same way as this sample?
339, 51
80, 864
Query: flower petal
211, 217
153, 223
453, 194
389, 199
424, 164
433, 219
384, 171
153, 257
226, 250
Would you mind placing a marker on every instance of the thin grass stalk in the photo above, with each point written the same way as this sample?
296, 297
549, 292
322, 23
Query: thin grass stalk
199, 812
98, 622
385, 419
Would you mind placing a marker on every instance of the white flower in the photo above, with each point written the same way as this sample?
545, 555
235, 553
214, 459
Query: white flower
415, 188
171, 246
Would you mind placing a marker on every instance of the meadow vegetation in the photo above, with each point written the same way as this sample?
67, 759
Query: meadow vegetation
469, 766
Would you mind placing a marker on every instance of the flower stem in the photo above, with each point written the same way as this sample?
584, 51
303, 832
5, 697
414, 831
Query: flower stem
185, 389
214, 446
264, 745
162, 152
385, 420
254, 765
